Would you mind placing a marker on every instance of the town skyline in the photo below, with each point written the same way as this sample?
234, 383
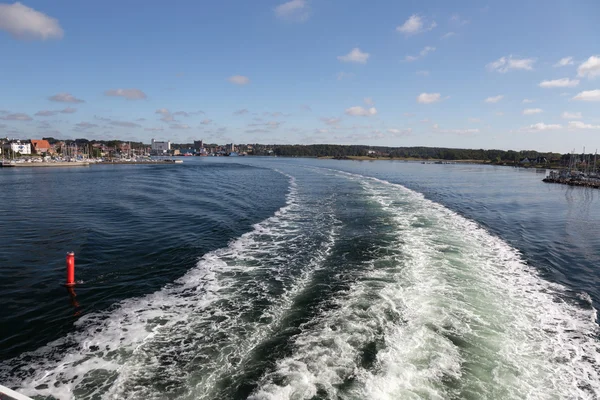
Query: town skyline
496, 76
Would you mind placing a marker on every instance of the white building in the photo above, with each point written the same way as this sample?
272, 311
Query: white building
161, 147
17, 146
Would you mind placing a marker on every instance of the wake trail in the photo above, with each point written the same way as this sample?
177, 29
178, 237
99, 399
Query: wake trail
181, 341
449, 312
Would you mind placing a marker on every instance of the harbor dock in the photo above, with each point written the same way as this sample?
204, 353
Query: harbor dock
85, 163
43, 164
582, 171
573, 179
145, 162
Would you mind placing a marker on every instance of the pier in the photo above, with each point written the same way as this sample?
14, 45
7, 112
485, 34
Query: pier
582, 171
572, 179
43, 164
144, 162
63, 164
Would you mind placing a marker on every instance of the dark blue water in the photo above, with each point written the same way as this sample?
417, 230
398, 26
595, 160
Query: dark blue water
133, 230
271, 278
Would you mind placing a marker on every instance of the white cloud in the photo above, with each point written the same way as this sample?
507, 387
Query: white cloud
268, 125
85, 125
499, 113
460, 132
408, 115
458, 20
590, 68
241, 112
331, 121
154, 129
581, 125
274, 124
125, 124
369, 101
129, 94
399, 132
415, 24
355, 56
359, 111
563, 62
423, 73
46, 113
166, 115
239, 80
16, 117
344, 75
257, 131
294, 10
527, 101
180, 126
355, 137
428, 98
559, 83
474, 120
540, 126
532, 111
68, 110
494, 99
426, 50
22, 22
206, 121
588, 95
448, 35
571, 115
65, 98
505, 64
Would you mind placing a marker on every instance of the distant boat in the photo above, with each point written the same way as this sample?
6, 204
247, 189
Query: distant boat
232, 154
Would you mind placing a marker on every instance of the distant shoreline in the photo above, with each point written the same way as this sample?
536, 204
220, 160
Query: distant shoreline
436, 160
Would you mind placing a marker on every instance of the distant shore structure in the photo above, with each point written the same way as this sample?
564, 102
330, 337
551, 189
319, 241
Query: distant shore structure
160, 148
582, 171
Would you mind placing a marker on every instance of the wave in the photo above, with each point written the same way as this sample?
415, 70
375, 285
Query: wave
183, 340
451, 312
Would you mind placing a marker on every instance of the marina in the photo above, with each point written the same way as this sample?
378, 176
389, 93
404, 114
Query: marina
581, 171
68, 164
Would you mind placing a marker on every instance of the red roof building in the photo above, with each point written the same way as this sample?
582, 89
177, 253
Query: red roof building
40, 146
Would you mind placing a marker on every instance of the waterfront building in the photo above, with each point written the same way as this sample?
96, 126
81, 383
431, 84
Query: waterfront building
41, 146
17, 146
161, 147
198, 145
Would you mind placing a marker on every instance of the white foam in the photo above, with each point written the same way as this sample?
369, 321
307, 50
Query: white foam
472, 320
160, 337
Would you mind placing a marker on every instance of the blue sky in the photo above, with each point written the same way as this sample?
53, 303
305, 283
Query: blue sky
475, 74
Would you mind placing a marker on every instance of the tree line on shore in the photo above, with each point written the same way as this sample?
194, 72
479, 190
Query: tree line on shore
425, 153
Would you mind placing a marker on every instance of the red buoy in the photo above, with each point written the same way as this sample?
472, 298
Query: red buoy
70, 269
